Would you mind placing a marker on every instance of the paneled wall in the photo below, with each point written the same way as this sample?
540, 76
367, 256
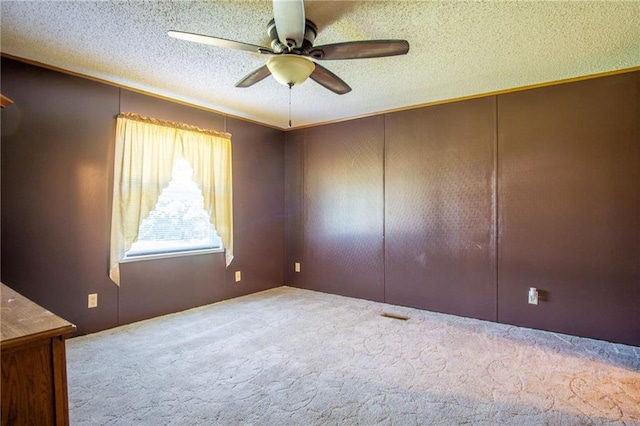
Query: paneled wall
482, 199
57, 169
569, 207
456, 208
335, 208
57, 153
440, 208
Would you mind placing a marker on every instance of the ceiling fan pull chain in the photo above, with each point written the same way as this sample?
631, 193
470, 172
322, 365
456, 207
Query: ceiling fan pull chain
290, 86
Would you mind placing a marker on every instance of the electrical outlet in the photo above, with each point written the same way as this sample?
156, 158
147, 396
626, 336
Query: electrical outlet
533, 296
297, 266
92, 301
238, 276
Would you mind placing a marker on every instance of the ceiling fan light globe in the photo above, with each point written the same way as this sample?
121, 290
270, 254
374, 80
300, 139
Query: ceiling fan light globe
290, 70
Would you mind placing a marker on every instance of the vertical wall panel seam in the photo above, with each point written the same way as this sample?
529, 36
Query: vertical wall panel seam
303, 204
284, 208
495, 205
384, 208
638, 181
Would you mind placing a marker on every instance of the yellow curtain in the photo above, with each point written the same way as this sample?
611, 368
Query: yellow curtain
146, 150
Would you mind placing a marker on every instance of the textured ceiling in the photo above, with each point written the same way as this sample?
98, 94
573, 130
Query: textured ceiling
457, 49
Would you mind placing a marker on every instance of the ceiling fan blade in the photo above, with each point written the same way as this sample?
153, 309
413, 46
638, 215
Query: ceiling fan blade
289, 17
254, 77
360, 49
329, 80
218, 42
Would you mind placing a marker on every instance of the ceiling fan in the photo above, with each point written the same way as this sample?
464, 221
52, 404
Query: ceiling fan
292, 37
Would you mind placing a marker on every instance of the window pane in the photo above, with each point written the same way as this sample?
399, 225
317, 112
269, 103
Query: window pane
178, 222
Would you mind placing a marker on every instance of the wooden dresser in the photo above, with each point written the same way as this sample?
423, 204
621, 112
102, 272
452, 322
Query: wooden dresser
34, 366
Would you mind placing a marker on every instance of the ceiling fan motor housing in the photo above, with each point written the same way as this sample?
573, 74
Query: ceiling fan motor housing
310, 33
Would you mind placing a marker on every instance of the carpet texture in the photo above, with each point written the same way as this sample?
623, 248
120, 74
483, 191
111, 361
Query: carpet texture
295, 357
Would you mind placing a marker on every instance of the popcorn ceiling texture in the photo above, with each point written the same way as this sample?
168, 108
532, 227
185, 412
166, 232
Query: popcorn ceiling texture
457, 49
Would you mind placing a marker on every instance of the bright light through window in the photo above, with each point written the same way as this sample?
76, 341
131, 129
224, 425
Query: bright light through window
178, 222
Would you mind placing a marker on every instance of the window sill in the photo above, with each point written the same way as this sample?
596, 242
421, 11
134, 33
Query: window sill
170, 255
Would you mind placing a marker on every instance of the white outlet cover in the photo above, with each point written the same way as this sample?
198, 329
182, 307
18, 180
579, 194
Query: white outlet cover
92, 300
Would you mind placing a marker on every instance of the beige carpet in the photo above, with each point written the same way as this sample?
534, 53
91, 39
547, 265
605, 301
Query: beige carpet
295, 357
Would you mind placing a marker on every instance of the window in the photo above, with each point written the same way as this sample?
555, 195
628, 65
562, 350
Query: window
172, 191
178, 222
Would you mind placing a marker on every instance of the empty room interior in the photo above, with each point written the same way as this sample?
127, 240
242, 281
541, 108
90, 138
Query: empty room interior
438, 223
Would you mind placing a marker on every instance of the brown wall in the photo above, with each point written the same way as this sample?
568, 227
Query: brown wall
440, 208
482, 200
569, 207
56, 159
456, 208
57, 167
338, 241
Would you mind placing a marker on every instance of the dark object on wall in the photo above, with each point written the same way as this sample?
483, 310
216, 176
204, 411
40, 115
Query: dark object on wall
4, 101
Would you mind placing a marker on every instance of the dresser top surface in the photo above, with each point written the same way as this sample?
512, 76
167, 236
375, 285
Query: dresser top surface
22, 320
